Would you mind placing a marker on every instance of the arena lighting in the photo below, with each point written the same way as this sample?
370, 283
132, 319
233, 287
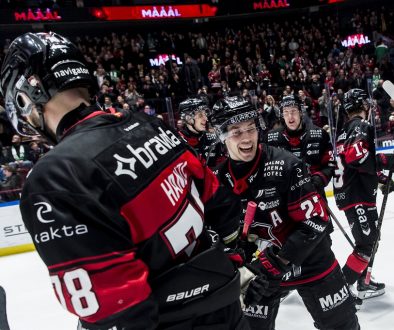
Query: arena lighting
161, 59
98, 13
37, 16
124, 13
355, 39
270, 4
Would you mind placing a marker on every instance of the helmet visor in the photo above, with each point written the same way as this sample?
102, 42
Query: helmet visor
229, 128
18, 121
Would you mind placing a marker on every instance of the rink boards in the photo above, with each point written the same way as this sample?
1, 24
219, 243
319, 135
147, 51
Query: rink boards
14, 237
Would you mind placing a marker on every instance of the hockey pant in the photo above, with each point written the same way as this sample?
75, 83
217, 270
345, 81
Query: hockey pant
363, 222
328, 300
227, 318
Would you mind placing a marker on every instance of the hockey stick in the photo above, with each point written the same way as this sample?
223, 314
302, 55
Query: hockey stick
245, 274
372, 111
388, 87
3, 311
333, 132
379, 228
332, 215
249, 215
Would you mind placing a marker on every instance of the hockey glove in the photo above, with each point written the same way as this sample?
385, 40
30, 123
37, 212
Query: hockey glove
383, 181
269, 268
256, 290
249, 248
318, 182
237, 256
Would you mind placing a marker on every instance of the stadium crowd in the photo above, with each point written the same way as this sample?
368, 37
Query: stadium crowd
263, 60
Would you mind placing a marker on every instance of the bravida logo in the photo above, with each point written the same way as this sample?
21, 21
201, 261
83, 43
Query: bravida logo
147, 154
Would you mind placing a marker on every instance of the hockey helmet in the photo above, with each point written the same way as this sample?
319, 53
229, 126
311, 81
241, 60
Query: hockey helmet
233, 110
354, 99
36, 67
289, 101
189, 107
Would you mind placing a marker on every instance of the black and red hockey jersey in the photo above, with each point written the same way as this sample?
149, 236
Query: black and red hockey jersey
117, 210
355, 178
206, 145
311, 144
289, 211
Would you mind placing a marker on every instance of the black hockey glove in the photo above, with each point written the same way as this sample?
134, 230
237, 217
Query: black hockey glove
317, 182
269, 268
237, 256
249, 248
385, 162
256, 290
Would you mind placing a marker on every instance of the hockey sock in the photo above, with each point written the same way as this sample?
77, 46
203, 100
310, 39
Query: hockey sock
354, 267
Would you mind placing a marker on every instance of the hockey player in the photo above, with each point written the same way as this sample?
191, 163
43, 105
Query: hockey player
117, 210
311, 144
194, 112
289, 228
355, 187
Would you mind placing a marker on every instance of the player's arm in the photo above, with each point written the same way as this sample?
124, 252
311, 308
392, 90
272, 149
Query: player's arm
306, 208
327, 164
222, 210
356, 151
385, 161
93, 266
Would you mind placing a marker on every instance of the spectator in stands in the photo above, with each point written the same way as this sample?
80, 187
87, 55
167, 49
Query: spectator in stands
306, 103
11, 185
271, 113
18, 153
191, 75
315, 87
381, 51
107, 103
149, 110
323, 103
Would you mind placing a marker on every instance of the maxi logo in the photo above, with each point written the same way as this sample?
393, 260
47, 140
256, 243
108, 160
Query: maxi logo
147, 154
331, 301
259, 311
53, 232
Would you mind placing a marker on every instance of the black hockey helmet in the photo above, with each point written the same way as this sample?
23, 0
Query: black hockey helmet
354, 99
289, 101
233, 110
36, 67
190, 106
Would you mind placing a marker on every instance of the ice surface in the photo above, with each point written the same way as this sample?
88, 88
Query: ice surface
32, 304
